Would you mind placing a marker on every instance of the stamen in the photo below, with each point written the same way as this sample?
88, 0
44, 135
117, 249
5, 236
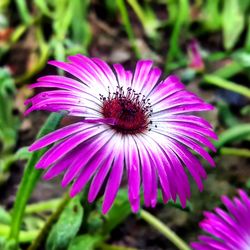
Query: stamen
130, 110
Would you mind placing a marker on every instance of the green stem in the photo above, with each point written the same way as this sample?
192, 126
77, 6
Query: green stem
222, 83
43, 57
48, 225
30, 178
139, 12
164, 229
42, 206
105, 246
182, 18
23, 11
24, 236
229, 70
242, 152
236, 133
125, 18
7, 161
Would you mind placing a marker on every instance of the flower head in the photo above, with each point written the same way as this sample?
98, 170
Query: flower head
129, 121
228, 230
194, 54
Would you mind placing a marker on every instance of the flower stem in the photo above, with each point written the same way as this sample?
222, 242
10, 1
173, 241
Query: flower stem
52, 219
181, 20
23, 11
125, 18
43, 57
105, 246
164, 229
29, 179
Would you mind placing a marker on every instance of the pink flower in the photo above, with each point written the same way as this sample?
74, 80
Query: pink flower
227, 230
130, 121
194, 55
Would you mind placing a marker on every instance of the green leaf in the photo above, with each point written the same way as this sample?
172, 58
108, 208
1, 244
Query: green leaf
86, 242
2, 243
247, 42
32, 223
111, 7
225, 114
147, 18
248, 183
229, 70
118, 213
23, 154
81, 31
66, 227
244, 5
177, 204
5, 217
44, 8
171, 203
241, 152
242, 57
232, 22
236, 133
42, 206
226, 84
211, 15
245, 110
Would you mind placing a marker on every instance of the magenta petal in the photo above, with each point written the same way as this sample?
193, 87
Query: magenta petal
87, 172
166, 88
99, 178
94, 151
52, 81
106, 71
90, 69
194, 146
147, 175
57, 135
60, 166
121, 75
227, 229
151, 81
57, 151
133, 169
114, 182
142, 70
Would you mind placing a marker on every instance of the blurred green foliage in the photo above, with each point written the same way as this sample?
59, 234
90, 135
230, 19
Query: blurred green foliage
9, 123
62, 28
67, 20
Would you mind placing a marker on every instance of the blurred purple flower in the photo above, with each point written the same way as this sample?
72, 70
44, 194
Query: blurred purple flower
129, 121
195, 59
228, 230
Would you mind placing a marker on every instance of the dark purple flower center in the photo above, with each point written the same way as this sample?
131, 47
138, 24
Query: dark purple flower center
130, 111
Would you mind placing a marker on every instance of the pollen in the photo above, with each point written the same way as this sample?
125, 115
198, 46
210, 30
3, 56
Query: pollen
131, 110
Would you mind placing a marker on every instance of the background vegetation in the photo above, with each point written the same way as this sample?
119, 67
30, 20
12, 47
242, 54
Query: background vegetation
33, 31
